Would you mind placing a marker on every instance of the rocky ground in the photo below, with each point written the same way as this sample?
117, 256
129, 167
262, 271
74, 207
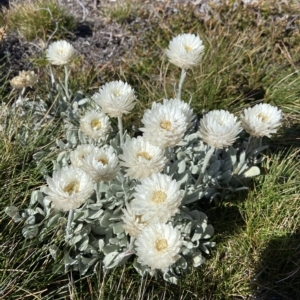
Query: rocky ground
100, 39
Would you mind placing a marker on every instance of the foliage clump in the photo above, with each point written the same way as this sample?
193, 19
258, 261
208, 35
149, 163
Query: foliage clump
40, 19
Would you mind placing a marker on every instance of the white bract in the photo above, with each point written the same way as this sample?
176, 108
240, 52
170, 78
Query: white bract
185, 50
158, 197
101, 163
219, 128
68, 188
164, 125
115, 98
95, 124
184, 107
158, 246
141, 159
24, 79
134, 223
261, 120
60, 53
77, 155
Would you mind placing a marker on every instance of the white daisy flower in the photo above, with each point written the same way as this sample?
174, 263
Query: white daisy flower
101, 164
141, 159
95, 124
115, 98
24, 79
184, 107
69, 188
219, 128
158, 197
185, 50
77, 155
158, 246
164, 125
133, 222
261, 120
60, 53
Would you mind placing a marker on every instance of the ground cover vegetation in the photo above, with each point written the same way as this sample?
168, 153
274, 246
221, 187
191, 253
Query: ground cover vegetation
251, 56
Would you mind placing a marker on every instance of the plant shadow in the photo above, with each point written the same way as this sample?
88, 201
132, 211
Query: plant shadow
277, 273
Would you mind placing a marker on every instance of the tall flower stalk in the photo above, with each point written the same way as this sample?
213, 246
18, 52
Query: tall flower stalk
182, 77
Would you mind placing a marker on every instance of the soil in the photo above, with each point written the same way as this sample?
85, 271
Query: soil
97, 38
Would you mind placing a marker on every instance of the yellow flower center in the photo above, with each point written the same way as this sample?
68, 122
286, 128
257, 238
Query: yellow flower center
165, 124
96, 124
161, 244
188, 48
72, 187
103, 161
117, 94
263, 117
60, 50
159, 197
145, 155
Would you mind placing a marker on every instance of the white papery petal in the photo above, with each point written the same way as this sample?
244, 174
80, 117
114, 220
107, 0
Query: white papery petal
158, 197
134, 223
185, 50
69, 188
95, 124
158, 246
77, 155
184, 107
101, 164
261, 120
60, 52
141, 159
219, 128
164, 125
115, 98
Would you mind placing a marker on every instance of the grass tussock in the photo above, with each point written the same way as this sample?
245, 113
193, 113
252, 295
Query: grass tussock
39, 19
252, 56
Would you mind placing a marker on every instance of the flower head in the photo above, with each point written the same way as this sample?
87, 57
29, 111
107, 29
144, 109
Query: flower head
69, 188
101, 163
261, 120
184, 107
60, 52
115, 98
185, 50
164, 125
133, 222
158, 246
141, 159
219, 128
95, 124
157, 197
24, 79
77, 156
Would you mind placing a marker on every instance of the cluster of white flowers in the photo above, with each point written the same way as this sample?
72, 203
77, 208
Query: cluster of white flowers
127, 187
156, 199
219, 128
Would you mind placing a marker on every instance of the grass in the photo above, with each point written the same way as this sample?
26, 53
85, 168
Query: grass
248, 60
39, 19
